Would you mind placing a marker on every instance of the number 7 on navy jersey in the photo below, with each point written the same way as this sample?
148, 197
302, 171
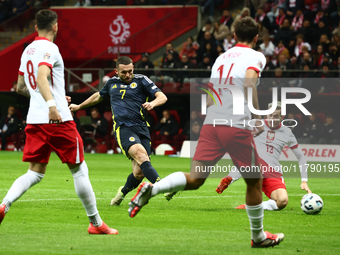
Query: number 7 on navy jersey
122, 91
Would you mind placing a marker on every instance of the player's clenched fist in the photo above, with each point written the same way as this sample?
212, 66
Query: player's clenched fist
74, 107
54, 115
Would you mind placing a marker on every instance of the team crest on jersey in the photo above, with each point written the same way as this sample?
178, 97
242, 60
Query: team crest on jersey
123, 86
259, 64
270, 135
132, 139
47, 56
114, 86
133, 85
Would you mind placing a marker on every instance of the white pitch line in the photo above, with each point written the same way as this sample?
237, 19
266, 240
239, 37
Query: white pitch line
159, 197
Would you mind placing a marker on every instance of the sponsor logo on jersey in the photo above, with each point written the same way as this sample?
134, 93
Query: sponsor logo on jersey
132, 139
47, 56
259, 64
114, 86
270, 135
133, 85
123, 86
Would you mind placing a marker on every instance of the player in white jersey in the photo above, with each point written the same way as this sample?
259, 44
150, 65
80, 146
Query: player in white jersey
269, 145
235, 70
49, 122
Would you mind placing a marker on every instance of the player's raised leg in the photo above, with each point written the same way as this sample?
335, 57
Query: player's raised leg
33, 176
233, 176
85, 193
172, 183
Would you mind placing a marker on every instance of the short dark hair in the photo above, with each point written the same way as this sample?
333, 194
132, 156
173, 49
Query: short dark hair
246, 29
123, 61
46, 19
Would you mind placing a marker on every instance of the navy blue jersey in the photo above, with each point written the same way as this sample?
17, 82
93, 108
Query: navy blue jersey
127, 99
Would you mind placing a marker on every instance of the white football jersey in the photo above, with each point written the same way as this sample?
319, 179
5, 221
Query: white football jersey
44, 52
270, 143
229, 70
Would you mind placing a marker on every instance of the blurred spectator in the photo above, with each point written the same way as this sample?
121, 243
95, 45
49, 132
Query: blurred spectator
276, 5
9, 125
219, 49
190, 130
14, 86
279, 19
311, 7
320, 16
167, 126
207, 45
281, 49
299, 44
292, 7
5, 10
267, 47
169, 63
146, 64
244, 13
205, 64
211, 4
83, 3
307, 73
298, 20
297, 130
263, 32
20, 6
312, 130
184, 76
284, 64
337, 67
189, 48
97, 129
226, 18
333, 52
262, 17
307, 31
285, 33
331, 131
304, 58
324, 42
174, 53
269, 67
221, 32
318, 56
320, 31
208, 27
229, 42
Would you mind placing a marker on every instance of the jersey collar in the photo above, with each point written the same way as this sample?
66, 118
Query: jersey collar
40, 38
241, 45
275, 128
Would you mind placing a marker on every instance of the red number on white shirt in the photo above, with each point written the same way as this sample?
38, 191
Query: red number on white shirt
31, 77
270, 149
221, 72
220, 69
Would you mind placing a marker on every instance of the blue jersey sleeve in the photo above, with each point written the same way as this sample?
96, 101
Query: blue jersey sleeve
149, 86
105, 90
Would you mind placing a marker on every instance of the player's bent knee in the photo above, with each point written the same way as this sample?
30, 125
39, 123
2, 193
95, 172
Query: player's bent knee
282, 203
194, 183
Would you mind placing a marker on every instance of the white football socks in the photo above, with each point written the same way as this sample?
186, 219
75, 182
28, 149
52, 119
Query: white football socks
235, 174
20, 186
255, 215
270, 205
173, 182
85, 192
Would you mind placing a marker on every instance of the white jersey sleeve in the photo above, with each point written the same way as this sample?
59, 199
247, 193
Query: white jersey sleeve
292, 142
44, 52
257, 63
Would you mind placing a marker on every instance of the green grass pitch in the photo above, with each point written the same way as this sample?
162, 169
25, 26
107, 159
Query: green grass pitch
49, 218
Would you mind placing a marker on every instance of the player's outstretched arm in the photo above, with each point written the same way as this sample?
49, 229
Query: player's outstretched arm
250, 82
92, 100
303, 170
159, 100
21, 87
44, 88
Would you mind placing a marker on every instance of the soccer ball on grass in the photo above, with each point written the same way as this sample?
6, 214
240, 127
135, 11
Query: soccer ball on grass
311, 203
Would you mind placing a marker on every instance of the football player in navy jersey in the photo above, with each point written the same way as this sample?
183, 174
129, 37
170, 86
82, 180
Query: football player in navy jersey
129, 97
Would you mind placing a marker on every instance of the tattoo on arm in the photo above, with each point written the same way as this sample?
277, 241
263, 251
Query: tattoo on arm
22, 88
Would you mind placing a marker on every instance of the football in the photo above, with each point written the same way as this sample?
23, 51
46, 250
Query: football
311, 203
